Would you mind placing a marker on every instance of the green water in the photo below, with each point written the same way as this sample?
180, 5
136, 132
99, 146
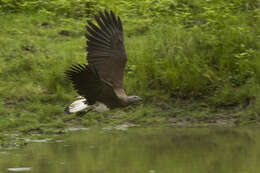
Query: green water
142, 150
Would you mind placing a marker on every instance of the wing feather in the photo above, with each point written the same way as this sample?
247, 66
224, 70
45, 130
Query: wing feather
95, 33
115, 22
98, 31
105, 42
106, 23
86, 81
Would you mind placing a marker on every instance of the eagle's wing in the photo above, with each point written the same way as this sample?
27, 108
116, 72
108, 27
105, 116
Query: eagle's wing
88, 84
106, 50
86, 81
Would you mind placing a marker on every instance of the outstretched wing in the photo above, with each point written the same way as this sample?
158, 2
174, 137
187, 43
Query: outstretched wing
88, 84
86, 81
105, 47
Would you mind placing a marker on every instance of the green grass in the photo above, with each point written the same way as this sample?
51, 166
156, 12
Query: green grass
195, 61
34, 56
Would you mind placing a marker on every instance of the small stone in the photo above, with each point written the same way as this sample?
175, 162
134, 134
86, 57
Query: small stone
72, 129
38, 140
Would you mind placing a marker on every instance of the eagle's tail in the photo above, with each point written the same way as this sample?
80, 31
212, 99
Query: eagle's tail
77, 106
81, 105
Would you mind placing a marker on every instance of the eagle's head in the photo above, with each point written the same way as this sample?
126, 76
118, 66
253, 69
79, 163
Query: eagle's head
133, 99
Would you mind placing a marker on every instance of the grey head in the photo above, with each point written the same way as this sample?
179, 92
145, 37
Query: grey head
133, 99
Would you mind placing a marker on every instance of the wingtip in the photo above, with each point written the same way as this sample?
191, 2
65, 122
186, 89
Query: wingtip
75, 68
120, 23
106, 12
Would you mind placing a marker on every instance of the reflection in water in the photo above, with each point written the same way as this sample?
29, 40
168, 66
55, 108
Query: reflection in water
140, 150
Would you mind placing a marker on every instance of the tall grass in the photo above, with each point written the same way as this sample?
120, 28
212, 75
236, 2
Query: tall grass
192, 62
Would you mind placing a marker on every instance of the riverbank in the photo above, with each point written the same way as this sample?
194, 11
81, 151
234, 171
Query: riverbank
184, 81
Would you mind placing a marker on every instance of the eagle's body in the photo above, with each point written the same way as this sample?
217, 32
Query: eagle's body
102, 80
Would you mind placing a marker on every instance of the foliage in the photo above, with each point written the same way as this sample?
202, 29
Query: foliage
69, 8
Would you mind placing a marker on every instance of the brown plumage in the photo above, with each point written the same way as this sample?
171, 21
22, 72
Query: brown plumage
103, 78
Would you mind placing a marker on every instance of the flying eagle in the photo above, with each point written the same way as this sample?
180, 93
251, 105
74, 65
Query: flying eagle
102, 80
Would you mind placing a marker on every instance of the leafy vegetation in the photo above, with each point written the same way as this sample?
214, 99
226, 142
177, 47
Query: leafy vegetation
205, 53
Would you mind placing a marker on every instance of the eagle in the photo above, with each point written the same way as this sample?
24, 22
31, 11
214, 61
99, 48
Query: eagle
101, 81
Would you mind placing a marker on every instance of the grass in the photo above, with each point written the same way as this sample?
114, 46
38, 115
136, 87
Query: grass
181, 70
33, 89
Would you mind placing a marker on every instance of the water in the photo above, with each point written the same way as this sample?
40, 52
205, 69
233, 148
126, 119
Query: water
141, 150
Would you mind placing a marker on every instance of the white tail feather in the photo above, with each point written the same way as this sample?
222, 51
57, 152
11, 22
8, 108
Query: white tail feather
80, 105
76, 106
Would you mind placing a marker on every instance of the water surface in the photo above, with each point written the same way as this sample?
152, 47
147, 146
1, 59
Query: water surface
141, 150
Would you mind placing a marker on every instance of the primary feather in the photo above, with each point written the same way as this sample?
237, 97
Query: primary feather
86, 81
105, 47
